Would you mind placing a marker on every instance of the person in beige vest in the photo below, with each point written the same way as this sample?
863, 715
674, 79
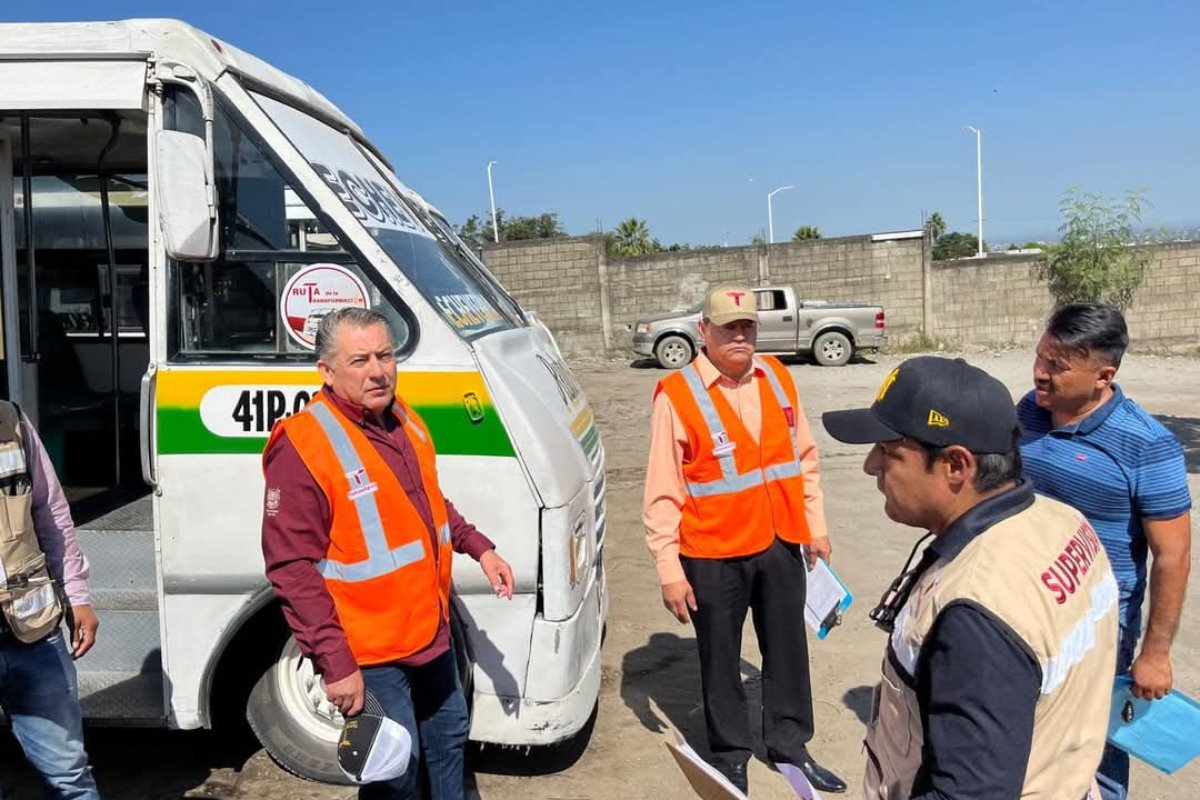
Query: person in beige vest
997, 674
43, 584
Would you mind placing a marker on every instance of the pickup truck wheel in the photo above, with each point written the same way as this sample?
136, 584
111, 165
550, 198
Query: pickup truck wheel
674, 351
832, 349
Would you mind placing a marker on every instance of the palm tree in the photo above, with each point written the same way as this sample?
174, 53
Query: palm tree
632, 238
805, 232
937, 225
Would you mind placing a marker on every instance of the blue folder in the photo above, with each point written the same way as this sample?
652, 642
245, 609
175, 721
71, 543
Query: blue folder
1163, 733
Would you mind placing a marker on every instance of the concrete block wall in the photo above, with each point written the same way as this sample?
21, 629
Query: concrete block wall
1001, 300
855, 269
559, 279
989, 301
672, 281
1166, 310
998, 300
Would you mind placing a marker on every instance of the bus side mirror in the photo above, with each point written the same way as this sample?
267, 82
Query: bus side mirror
186, 196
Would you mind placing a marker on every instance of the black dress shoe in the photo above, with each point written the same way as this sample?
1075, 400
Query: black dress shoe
736, 773
821, 779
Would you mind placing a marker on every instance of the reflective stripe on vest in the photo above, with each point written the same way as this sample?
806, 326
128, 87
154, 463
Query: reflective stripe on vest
12, 461
732, 482
400, 412
1081, 638
380, 560
443, 530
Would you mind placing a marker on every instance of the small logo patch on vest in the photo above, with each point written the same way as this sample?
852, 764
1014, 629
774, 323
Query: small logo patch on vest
272, 504
790, 415
721, 444
359, 485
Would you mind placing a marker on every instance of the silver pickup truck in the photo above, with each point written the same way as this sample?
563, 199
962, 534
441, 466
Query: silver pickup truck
831, 332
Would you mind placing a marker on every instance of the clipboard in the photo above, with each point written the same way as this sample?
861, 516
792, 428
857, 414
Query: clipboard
1164, 733
826, 599
706, 781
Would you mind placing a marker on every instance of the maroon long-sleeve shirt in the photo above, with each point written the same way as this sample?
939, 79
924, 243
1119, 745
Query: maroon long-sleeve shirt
295, 536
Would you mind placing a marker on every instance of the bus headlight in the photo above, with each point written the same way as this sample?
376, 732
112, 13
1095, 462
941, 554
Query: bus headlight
578, 551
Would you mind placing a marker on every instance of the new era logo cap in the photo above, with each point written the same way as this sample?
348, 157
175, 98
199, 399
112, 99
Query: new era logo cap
725, 304
373, 747
939, 401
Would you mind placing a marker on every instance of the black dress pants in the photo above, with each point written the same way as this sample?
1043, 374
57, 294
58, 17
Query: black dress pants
771, 584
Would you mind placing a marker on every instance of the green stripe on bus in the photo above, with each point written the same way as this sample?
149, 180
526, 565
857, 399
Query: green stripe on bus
590, 441
181, 432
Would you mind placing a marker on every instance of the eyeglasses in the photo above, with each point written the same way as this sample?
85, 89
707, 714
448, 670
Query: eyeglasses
884, 614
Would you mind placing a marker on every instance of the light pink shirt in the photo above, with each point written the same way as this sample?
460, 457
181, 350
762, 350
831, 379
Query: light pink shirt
52, 521
666, 491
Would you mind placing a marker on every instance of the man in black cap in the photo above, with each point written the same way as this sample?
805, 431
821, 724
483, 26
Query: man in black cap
997, 674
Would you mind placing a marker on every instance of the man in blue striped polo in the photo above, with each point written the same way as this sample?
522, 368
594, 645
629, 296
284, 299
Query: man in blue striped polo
1087, 444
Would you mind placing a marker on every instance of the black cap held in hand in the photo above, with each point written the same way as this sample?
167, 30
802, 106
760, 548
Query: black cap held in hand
938, 401
372, 747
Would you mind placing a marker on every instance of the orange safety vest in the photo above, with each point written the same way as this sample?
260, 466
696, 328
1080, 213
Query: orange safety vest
741, 493
391, 593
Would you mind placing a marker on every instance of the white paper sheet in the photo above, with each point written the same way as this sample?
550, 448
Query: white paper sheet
706, 780
825, 592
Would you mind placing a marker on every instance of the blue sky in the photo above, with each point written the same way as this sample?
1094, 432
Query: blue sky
686, 114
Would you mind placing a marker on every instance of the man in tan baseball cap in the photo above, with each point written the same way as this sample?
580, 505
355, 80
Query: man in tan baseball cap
729, 330
734, 514
725, 304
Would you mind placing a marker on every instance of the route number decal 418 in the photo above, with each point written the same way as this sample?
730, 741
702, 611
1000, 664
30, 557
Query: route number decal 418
251, 411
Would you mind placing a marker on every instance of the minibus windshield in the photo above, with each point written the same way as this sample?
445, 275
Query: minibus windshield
431, 262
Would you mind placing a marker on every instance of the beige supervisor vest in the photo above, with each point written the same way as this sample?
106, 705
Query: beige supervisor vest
28, 598
1044, 573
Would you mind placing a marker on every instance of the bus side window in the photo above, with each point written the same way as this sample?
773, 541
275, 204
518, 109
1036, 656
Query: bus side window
276, 273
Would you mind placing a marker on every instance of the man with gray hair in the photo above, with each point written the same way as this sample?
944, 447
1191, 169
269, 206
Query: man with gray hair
357, 539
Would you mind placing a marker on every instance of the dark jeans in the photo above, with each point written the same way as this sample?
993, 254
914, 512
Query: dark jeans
771, 585
1113, 774
428, 701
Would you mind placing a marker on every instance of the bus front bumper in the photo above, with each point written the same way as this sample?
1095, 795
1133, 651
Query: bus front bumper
562, 684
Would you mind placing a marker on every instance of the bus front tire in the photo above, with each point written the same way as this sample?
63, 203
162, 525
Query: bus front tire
298, 727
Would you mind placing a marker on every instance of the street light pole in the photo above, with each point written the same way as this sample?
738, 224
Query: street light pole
770, 218
978, 180
492, 198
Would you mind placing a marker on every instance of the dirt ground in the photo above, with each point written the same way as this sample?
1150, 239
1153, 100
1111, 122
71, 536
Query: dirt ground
650, 675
